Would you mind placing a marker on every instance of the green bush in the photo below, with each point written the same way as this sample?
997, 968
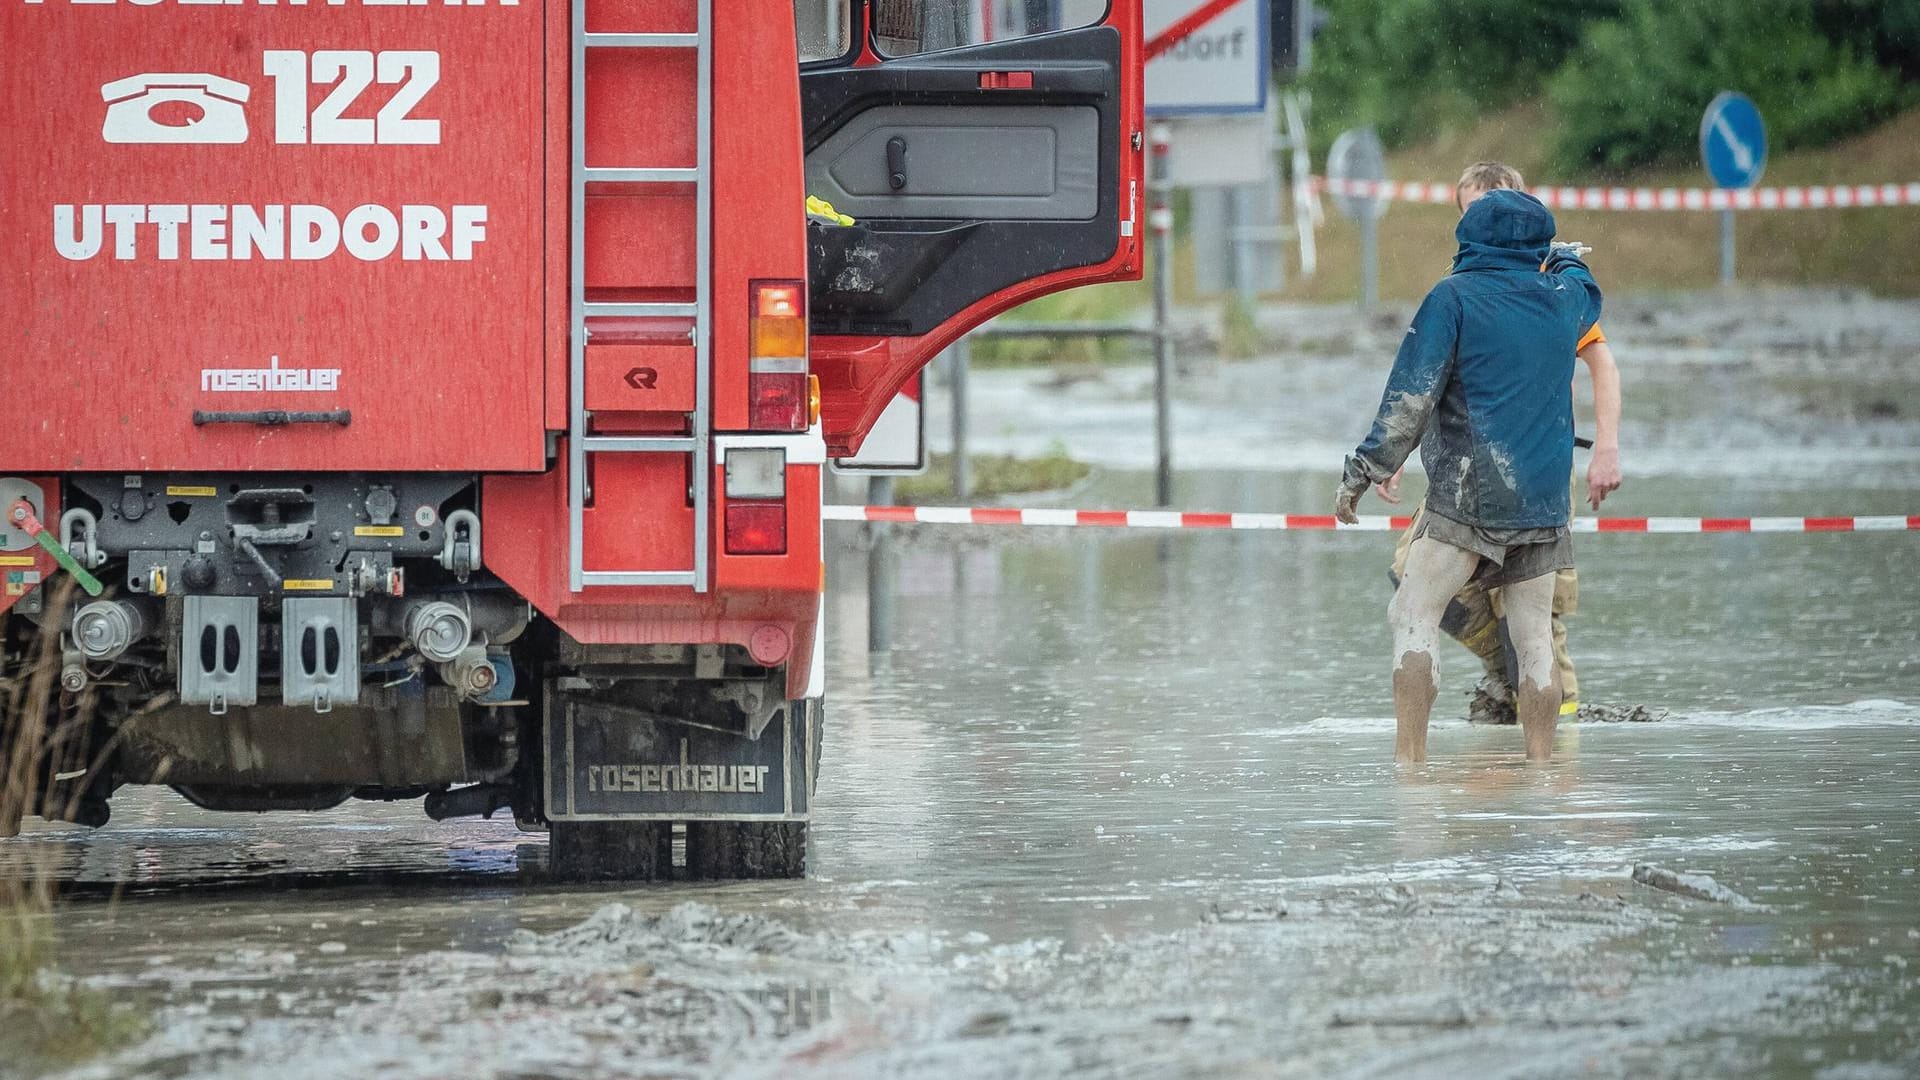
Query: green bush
1888, 30
1632, 93
1411, 68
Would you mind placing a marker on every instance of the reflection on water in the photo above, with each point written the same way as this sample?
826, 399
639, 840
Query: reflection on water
1092, 736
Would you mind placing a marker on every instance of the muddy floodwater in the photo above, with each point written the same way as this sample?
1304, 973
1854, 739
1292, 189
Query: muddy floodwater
1122, 805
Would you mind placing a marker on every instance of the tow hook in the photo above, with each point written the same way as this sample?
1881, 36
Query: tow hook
28, 522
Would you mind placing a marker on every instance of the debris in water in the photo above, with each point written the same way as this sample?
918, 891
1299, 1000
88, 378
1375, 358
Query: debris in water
986, 1025
617, 931
1450, 1015
1254, 913
1491, 702
1395, 892
1692, 886
1620, 714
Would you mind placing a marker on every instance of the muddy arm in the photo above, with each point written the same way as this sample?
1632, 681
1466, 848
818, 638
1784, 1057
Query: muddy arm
1420, 372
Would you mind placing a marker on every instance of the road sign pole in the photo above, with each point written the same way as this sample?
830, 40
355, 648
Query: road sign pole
1733, 147
1160, 218
959, 359
1726, 246
1356, 160
883, 573
1369, 262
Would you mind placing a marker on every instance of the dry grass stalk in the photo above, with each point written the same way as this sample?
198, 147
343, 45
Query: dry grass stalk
44, 1017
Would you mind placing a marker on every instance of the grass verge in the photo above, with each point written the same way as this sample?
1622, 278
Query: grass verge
994, 475
1125, 301
1652, 251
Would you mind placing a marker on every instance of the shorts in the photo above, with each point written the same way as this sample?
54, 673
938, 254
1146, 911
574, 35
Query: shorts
1507, 556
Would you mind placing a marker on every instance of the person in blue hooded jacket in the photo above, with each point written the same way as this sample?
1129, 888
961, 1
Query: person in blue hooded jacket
1483, 385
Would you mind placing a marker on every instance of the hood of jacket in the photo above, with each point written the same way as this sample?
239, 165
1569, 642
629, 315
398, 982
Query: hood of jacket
1503, 230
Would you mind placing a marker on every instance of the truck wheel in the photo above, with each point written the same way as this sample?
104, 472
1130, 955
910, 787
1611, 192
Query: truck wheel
731, 850
609, 851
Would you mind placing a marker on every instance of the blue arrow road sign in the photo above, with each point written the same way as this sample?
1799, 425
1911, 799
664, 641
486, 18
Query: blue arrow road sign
1733, 141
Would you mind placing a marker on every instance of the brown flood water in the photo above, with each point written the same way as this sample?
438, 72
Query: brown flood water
1124, 805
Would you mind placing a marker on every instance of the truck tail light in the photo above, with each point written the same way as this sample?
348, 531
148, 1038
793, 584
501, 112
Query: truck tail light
756, 506
757, 528
777, 357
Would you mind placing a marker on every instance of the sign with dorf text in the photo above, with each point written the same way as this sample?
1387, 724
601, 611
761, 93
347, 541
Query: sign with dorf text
1220, 67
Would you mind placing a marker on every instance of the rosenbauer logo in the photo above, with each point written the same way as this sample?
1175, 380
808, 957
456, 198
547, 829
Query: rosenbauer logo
272, 378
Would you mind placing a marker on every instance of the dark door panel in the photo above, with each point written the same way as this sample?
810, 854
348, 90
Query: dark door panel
1039, 162
968, 171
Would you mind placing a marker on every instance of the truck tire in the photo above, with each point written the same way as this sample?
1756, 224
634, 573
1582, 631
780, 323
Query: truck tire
609, 851
736, 850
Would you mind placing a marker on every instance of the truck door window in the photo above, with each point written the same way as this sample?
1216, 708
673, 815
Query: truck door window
907, 27
825, 28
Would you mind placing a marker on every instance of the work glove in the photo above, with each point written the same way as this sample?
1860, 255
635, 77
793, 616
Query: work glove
1562, 256
1353, 484
1344, 500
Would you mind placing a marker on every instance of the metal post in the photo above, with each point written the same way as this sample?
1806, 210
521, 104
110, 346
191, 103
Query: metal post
1304, 204
1160, 217
882, 574
1246, 233
1239, 268
1726, 246
1369, 261
959, 359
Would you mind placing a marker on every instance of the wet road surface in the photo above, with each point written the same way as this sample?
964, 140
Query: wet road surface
1121, 805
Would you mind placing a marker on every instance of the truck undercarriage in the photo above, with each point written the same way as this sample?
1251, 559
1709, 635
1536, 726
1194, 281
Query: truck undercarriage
414, 673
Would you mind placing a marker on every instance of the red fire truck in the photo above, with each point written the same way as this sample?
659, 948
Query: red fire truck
430, 398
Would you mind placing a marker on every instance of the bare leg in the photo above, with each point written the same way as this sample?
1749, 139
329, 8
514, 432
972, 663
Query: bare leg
1530, 621
1435, 572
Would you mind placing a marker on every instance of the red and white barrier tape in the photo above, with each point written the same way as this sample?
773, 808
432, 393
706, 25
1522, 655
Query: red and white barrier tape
1619, 198
1176, 519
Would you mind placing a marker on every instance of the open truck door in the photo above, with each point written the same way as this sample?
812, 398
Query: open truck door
988, 151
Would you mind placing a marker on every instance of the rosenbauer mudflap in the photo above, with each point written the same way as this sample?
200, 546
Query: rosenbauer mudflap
273, 237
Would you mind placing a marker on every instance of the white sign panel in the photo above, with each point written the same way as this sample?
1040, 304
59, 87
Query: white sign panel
1220, 151
1221, 67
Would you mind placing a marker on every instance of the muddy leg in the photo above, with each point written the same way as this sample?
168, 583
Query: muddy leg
1537, 698
1566, 601
1563, 663
1435, 572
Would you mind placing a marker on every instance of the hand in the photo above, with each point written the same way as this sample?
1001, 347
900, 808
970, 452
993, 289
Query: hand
1561, 256
1344, 499
1389, 489
1580, 250
1603, 476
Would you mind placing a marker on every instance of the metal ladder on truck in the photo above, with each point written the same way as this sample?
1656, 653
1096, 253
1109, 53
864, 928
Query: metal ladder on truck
698, 443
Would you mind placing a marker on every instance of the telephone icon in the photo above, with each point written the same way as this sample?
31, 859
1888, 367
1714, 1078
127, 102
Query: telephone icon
179, 107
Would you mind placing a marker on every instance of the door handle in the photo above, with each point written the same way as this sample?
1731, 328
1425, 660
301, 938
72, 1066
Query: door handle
897, 162
272, 417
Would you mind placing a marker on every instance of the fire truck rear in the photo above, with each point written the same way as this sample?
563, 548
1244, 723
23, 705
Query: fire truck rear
430, 398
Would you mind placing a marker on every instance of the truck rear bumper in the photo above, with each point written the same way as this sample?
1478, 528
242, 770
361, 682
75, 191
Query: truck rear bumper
607, 763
